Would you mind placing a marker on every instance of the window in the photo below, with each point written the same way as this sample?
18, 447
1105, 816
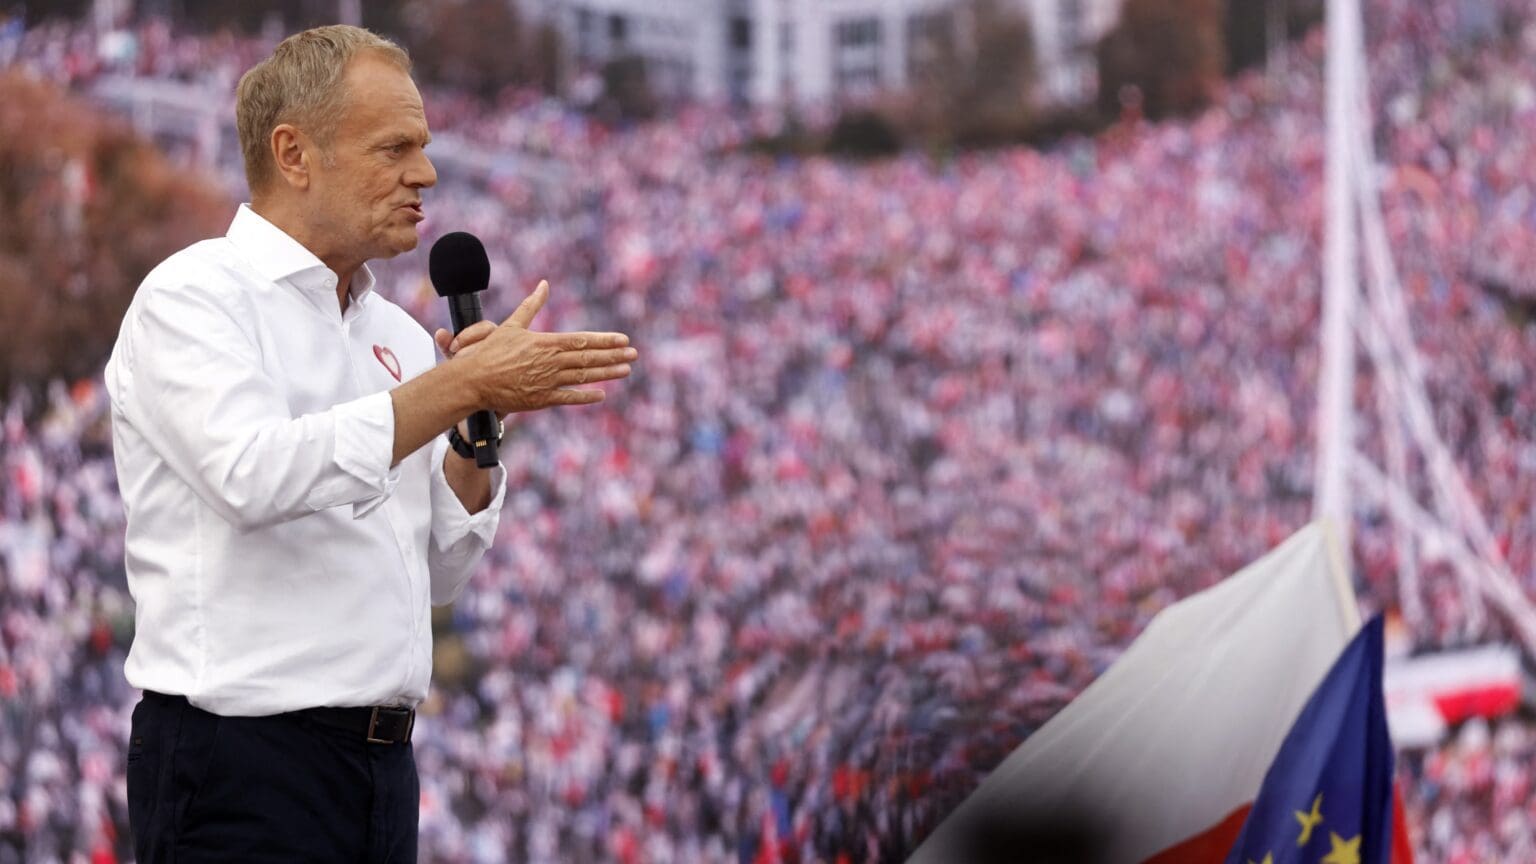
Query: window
786, 60
741, 34
856, 63
586, 34
858, 32
930, 40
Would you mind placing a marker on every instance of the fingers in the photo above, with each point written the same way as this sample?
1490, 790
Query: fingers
523, 315
588, 359
469, 336
443, 338
579, 341
569, 377
572, 397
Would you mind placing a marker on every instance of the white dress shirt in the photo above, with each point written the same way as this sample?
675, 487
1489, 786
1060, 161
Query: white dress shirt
276, 560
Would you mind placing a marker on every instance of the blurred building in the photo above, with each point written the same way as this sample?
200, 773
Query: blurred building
808, 51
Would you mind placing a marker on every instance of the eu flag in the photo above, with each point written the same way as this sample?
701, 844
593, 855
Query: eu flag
1327, 799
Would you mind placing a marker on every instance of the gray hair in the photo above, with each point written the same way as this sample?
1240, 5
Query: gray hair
301, 83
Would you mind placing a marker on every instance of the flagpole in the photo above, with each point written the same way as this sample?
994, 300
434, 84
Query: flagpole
1335, 408
1338, 575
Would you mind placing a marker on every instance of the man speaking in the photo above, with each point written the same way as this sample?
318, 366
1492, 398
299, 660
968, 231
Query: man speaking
293, 502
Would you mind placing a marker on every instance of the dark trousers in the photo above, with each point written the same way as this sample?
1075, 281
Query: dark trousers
284, 788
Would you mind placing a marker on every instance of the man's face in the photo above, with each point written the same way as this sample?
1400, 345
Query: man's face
368, 185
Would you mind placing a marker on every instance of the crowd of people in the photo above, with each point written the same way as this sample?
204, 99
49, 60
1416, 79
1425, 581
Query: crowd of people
65, 618
917, 448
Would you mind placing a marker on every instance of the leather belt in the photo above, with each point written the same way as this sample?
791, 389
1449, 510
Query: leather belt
380, 724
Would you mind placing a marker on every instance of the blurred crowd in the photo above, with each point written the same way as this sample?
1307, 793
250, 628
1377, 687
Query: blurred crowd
915, 450
1471, 798
77, 54
65, 622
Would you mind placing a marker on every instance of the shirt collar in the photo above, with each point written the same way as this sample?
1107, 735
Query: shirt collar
280, 258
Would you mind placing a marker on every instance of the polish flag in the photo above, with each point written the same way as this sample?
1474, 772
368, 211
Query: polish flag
1160, 759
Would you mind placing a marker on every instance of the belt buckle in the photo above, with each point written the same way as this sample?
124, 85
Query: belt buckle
373, 722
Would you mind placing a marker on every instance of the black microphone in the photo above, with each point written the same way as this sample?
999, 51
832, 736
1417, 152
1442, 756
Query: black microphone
460, 270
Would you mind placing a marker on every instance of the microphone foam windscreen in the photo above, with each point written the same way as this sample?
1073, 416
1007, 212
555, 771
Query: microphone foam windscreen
458, 265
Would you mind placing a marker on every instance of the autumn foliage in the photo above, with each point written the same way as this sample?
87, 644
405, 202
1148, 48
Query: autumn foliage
88, 209
1165, 55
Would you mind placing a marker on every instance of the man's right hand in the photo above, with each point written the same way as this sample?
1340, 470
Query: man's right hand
504, 369
512, 368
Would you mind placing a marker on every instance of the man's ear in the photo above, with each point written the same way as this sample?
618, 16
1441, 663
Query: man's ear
293, 153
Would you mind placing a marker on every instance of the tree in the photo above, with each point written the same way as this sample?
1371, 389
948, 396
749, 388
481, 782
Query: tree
863, 133
994, 94
546, 58
975, 80
242, 16
1168, 51
627, 93
1252, 27
90, 209
481, 46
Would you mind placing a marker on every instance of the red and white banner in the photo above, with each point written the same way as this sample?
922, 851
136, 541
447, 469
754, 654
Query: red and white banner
1432, 692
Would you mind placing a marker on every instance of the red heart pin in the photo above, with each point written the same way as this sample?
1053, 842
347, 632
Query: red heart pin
387, 357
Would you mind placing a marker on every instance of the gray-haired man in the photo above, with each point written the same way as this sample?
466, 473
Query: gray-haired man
293, 505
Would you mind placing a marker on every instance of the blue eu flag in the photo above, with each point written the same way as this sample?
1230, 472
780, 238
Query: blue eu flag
1327, 799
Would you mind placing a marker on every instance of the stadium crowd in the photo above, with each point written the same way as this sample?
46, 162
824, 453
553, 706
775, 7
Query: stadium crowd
916, 450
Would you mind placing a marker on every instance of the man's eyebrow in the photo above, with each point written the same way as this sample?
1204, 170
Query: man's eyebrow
404, 138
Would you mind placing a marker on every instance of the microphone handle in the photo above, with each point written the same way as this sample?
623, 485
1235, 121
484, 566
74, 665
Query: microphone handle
484, 432
464, 310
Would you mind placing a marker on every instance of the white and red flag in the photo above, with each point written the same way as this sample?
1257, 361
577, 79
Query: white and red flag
1159, 760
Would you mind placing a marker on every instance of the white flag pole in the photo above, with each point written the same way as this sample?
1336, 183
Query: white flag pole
1335, 410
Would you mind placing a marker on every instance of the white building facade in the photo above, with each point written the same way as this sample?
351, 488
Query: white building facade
768, 52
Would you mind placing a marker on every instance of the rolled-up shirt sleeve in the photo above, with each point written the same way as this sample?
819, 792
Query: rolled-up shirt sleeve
200, 396
459, 538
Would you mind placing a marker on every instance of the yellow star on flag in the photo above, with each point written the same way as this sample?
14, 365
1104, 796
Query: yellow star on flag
1344, 851
1268, 859
1310, 820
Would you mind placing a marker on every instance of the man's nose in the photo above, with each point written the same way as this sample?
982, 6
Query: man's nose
422, 174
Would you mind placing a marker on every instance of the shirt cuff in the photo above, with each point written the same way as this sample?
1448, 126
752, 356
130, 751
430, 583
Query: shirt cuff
363, 433
450, 521
373, 437
368, 505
